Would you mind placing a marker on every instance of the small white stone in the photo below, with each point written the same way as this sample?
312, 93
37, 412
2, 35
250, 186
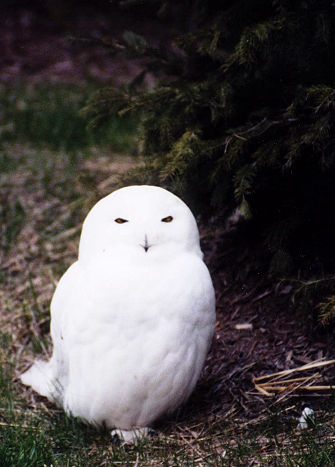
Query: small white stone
307, 418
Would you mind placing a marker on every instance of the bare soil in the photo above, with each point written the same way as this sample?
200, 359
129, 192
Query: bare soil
43, 43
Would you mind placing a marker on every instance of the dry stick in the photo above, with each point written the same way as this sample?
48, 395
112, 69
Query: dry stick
279, 384
317, 388
308, 366
292, 380
273, 385
289, 392
262, 391
305, 388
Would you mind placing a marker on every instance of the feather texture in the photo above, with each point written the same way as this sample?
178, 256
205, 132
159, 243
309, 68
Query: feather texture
132, 320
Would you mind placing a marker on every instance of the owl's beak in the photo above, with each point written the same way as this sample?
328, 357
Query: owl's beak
146, 245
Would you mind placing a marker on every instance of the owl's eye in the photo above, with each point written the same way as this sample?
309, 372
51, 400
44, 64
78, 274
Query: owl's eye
120, 221
167, 219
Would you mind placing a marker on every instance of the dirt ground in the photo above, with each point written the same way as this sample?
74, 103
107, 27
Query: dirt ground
259, 329
43, 44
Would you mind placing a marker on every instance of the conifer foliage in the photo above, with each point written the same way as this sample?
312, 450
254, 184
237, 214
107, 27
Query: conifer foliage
242, 115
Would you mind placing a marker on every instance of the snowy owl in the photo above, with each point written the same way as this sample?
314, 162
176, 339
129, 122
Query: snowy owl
132, 319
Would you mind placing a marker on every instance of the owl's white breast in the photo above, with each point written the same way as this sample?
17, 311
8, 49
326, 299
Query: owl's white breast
135, 336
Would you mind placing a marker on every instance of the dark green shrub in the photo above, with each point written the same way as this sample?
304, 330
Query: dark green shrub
241, 116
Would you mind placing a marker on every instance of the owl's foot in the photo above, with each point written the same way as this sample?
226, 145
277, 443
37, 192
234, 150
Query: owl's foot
132, 436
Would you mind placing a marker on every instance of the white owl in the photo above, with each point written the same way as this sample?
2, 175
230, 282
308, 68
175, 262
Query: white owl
132, 320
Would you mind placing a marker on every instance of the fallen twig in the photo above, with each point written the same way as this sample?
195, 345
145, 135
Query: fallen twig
276, 383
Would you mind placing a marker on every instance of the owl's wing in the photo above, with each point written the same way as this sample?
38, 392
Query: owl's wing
64, 299
49, 378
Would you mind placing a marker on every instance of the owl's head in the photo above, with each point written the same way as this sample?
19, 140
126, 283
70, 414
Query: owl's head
139, 221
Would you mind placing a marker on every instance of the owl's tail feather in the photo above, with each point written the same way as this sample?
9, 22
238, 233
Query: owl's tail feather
40, 378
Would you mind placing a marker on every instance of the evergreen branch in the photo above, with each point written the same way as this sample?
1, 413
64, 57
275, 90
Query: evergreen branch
327, 310
242, 116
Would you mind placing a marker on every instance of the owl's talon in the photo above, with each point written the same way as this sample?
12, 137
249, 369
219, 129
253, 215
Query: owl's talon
132, 436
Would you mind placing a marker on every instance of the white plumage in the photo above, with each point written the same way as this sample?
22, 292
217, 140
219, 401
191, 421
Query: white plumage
133, 318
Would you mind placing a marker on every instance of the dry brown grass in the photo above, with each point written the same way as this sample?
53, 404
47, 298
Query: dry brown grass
286, 382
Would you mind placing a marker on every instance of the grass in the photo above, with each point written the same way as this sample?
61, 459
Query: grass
43, 132
12, 216
52, 170
40, 435
49, 115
